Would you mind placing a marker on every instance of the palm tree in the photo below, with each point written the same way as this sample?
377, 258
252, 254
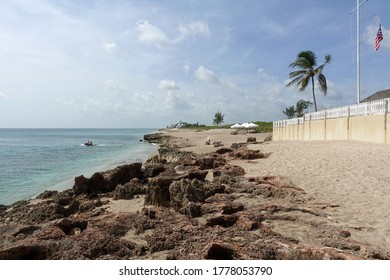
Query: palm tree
307, 60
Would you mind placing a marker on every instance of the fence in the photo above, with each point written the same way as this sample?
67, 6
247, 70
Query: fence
367, 122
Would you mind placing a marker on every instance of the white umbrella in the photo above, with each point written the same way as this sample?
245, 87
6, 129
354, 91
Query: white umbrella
246, 125
237, 126
251, 125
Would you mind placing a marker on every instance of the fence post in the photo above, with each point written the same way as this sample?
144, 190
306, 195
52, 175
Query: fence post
325, 126
385, 118
348, 120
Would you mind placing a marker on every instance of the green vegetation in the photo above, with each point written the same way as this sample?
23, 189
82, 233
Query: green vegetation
218, 118
262, 127
306, 61
297, 111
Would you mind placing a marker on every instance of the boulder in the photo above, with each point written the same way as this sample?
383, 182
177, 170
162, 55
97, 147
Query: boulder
103, 182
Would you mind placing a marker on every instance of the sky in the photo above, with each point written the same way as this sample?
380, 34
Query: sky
151, 64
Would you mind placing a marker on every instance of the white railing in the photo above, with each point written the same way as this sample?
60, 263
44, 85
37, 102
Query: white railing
377, 107
335, 113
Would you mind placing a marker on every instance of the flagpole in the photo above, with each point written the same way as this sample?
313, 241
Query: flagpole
358, 48
358, 51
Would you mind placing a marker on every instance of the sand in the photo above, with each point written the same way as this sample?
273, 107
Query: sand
353, 176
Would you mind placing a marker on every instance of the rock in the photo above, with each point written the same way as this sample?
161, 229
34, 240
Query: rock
268, 138
229, 170
184, 191
129, 190
158, 138
47, 194
185, 216
103, 182
245, 153
251, 139
222, 151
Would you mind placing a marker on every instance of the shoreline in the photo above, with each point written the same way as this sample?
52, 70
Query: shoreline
61, 176
351, 175
188, 201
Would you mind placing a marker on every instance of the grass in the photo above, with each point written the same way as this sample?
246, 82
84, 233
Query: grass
262, 127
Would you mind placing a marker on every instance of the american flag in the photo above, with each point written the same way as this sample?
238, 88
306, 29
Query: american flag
379, 37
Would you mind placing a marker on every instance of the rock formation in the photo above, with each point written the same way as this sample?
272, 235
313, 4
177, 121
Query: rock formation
178, 205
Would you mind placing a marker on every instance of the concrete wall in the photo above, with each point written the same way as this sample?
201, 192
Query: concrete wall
368, 128
337, 129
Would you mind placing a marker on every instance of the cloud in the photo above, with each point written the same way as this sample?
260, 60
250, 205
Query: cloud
186, 68
193, 30
109, 46
114, 87
152, 35
168, 85
207, 75
3, 95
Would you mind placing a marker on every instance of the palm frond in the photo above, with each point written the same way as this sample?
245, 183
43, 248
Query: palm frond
298, 73
309, 56
304, 82
322, 84
295, 81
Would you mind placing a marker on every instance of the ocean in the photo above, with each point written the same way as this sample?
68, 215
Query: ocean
35, 160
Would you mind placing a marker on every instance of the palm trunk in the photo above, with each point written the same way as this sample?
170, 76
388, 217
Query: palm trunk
314, 96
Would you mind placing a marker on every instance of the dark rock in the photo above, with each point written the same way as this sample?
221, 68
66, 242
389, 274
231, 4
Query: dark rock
47, 194
129, 190
153, 170
245, 153
215, 251
103, 182
158, 138
222, 151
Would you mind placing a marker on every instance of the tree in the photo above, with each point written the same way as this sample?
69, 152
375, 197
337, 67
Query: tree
307, 61
298, 110
218, 118
301, 108
290, 112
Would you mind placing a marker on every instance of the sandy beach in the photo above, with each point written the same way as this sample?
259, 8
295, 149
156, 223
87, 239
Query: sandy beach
352, 176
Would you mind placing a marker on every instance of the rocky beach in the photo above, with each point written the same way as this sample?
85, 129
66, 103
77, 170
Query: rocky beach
227, 200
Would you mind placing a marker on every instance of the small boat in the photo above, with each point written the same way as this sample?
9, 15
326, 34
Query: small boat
89, 143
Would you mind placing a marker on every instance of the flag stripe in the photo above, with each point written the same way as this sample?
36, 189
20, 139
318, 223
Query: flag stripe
379, 37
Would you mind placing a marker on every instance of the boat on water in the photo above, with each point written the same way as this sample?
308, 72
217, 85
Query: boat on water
89, 143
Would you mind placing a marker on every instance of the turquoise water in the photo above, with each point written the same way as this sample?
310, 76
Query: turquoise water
34, 160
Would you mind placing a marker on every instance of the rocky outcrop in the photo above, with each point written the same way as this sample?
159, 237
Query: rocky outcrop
179, 205
103, 182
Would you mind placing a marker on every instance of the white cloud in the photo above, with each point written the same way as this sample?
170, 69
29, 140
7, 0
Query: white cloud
114, 87
3, 95
186, 68
109, 46
168, 85
207, 75
152, 35
192, 30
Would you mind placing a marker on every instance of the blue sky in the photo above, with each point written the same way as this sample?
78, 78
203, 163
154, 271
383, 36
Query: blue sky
127, 63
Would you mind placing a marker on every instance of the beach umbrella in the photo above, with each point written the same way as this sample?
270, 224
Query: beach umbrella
237, 126
251, 125
245, 125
